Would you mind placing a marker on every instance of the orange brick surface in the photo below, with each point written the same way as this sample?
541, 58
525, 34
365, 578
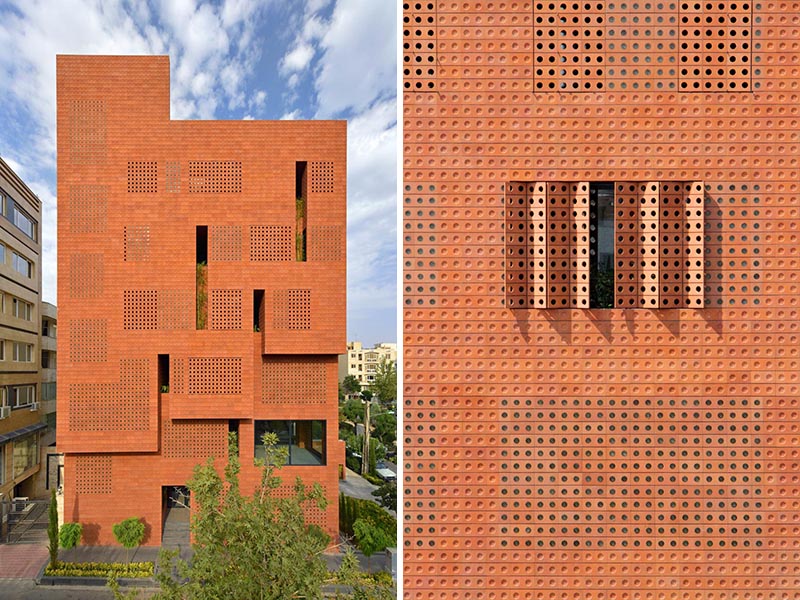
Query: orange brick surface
133, 186
557, 451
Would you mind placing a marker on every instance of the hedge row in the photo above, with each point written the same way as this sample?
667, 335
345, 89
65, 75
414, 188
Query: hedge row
351, 509
100, 569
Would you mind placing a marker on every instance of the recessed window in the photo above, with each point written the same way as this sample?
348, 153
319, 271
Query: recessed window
23, 352
21, 309
2, 254
22, 395
304, 441
20, 218
26, 454
22, 265
601, 245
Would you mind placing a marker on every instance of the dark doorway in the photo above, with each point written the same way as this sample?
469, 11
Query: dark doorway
175, 502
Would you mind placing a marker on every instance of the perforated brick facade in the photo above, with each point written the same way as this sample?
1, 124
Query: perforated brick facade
616, 429
147, 387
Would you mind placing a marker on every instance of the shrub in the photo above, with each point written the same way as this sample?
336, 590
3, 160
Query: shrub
129, 533
352, 509
100, 569
69, 535
52, 529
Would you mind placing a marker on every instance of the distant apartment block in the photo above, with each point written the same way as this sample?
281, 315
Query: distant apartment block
362, 363
20, 314
201, 291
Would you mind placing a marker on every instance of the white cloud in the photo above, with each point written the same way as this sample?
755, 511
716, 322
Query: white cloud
291, 116
297, 59
358, 64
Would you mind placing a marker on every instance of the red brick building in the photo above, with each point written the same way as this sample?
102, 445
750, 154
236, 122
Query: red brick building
201, 290
601, 292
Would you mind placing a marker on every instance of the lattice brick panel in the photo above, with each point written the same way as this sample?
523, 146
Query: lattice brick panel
271, 243
322, 177
177, 376
215, 375
134, 377
293, 381
93, 474
419, 46
569, 47
176, 309
140, 309
716, 46
87, 131
194, 439
672, 229
626, 244
86, 275
649, 244
226, 309
136, 243
225, 243
142, 177
693, 245
579, 245
96, 407
291, 309
537, 245
88, 340
516, 245
172, 177
559, 209
215, 177
326, 243
88, 206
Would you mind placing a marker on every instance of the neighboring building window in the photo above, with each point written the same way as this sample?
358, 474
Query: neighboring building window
2, 254
26, 454
22, 395
2, 349
23, 352
45, 359
20, 218
22, 265
21, 309
304, 441
2, 464
48, 391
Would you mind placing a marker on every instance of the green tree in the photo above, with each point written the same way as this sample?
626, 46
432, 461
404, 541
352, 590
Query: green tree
351, 385
248, 547
365, 587
387, 495
385, 383
385, 428
52, 529
371, 538
69, 535
129, 533
353, 410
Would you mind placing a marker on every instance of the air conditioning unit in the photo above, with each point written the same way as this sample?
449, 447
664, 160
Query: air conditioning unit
5, 411
34, 407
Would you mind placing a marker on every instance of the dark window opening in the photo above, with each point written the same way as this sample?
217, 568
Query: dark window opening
303, 441
233, 427
163, 373
201, 277
258, 310
301, 208
601, 245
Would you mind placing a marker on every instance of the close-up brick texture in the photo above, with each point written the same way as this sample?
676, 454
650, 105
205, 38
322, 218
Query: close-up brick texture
160, 357
601, 276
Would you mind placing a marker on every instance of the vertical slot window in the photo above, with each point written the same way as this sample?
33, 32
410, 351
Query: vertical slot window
258, 310
601, 245
201, 276
301, 209
163, 373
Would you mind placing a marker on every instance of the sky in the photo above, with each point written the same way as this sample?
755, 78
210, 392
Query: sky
229, 59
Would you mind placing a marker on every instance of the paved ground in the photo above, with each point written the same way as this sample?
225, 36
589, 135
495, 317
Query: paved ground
356, 486
26, 589
21, 560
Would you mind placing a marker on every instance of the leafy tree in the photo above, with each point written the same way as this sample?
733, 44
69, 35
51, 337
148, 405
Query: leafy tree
387, 495
129, 533
385, 383
367, 395
351, 385
385, 428
371, 538
247, 547
52, 529
69, 535
353, 410
365, 587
